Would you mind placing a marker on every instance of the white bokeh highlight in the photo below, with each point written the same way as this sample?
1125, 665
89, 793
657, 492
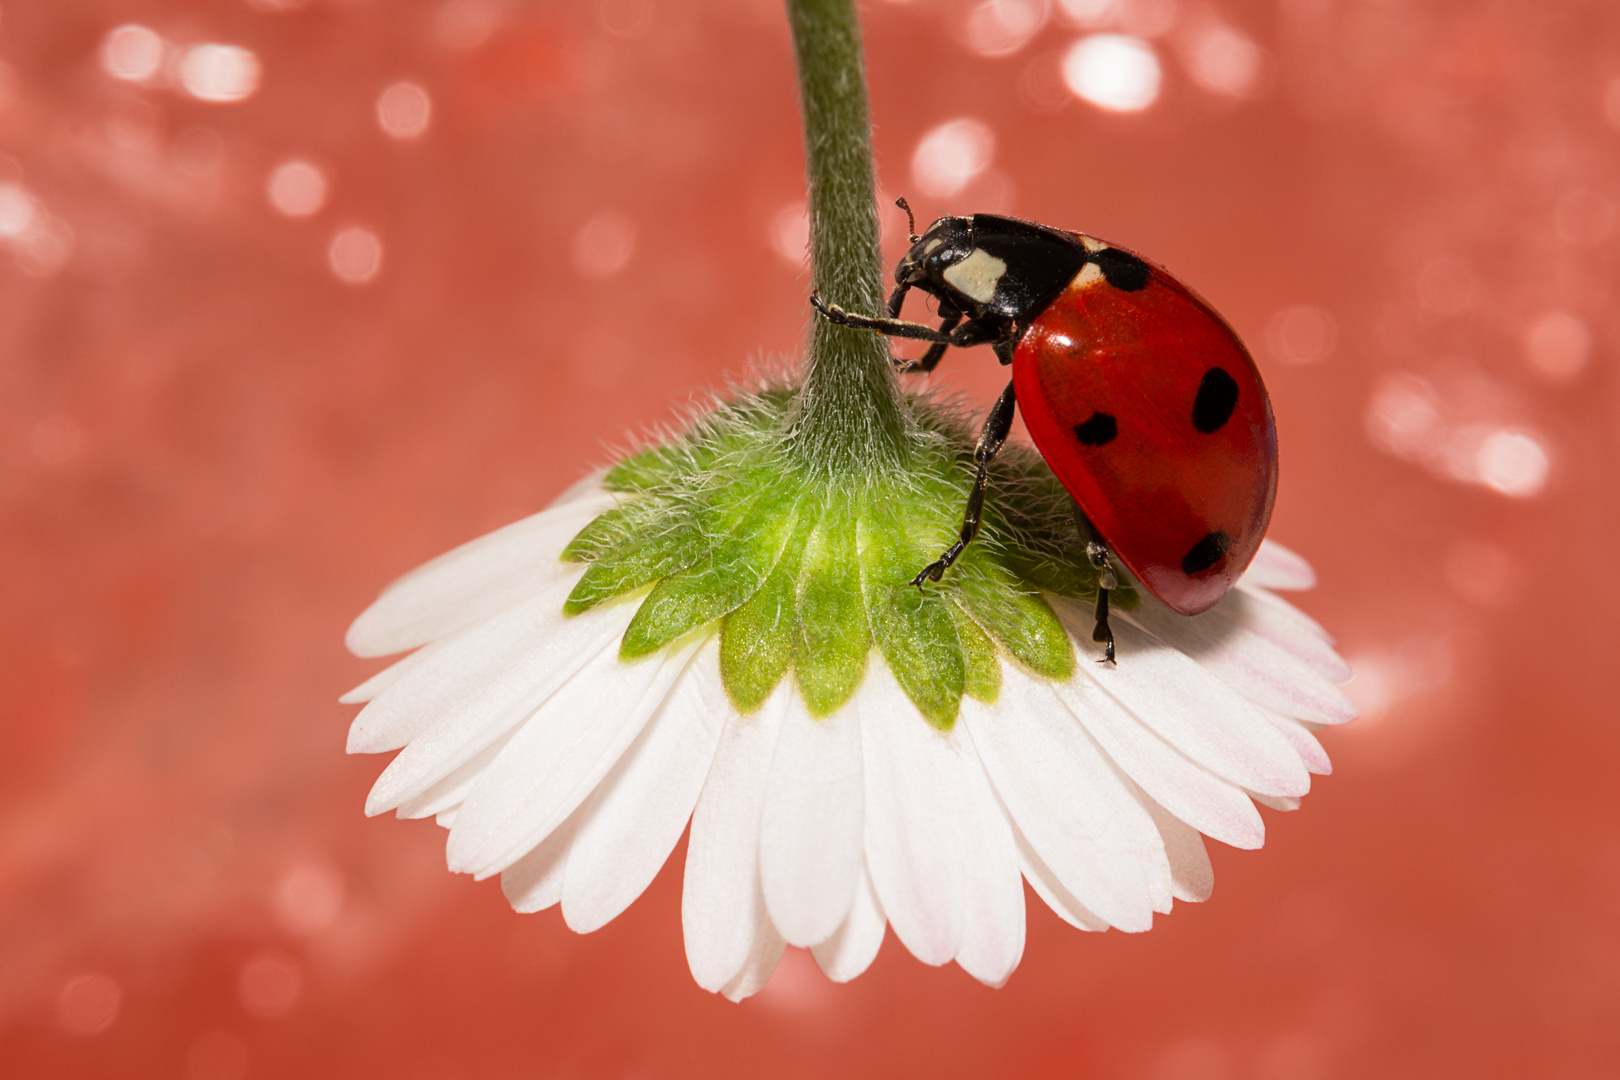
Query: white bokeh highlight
222, 74
296, 189
404, 110
603, 246
1003, 27
355, 255
1115, 72
132, 52
951, 156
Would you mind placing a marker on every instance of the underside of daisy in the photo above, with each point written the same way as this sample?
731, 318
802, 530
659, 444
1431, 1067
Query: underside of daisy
810, 570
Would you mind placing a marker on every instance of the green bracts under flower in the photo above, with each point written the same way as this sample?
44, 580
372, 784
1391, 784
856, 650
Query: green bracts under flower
809, 571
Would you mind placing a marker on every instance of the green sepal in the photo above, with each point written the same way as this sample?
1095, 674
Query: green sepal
1015, 615
636, 562
756, 640
611, 528
912, 627
750, 539
832, 638
982, 668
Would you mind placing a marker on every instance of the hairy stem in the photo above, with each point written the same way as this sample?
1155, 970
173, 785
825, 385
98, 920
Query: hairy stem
850, 414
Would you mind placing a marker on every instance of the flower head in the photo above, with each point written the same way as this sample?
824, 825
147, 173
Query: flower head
714, 631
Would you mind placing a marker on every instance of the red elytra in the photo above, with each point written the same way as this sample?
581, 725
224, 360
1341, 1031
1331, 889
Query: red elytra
1152, 414
1142, 400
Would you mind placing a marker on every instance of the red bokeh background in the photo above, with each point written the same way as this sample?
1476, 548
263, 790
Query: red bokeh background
214, 451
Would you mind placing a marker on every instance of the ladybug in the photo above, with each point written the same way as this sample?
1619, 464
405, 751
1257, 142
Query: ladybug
1145, 404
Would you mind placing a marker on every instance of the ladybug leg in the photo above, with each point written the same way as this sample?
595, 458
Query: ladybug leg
991, 437
888, 327
1102, 634
929, 360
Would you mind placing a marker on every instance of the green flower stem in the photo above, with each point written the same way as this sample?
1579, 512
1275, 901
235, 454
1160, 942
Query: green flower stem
850, 414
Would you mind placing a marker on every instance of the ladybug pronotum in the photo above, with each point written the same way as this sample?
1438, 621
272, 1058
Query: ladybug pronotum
1142, 400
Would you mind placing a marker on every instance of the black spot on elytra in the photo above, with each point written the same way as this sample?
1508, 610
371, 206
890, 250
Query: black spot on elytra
1206, 553
1098, 430
1217, 397
1122, 270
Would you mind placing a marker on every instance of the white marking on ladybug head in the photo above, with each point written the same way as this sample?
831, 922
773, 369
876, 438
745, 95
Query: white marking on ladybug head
976, 276
1091, 243
1088, 276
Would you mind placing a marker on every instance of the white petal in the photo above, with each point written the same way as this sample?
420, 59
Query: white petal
914, 776
535, 882
1304, 743
1076, 813
1276, 567
810, 832
855, 945
1192, 878
388, 676
763, 956
474, 581
721, 902
1049, 889
993, 888
482, 686
1284, 625
1195, 795
446, 818
1193, 711
1285, 803
559, 755
453, 789
1248, 663
634, 819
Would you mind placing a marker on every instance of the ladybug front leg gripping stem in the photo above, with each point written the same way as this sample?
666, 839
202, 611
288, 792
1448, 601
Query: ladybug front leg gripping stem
1102, 633
991, 438
973, 332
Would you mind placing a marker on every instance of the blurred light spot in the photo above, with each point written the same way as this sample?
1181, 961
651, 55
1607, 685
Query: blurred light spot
309, 898
1512, 462
219, 73
296, 188
1113, 72
56, 441
1558, 345
403, 110
277, 6
1041, 84
1584, 217
603, 245
624, 18
1193, 1059
1611, 101
1413, 665
269, 985
1089, 14
1002, 27
1403, 417
1446, 286
217, 1055
951, 155
1481, 572
88, 1004
466, 24
1302, 334
355, 255
17, 210
132, 52
43, 242
797, 985
790, 234
1300, 1056
1146, 18
1224, 61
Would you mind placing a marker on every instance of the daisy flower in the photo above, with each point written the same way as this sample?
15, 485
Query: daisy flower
705, 633
720, 630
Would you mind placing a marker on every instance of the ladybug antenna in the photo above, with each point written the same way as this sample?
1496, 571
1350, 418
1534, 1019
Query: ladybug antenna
911, 220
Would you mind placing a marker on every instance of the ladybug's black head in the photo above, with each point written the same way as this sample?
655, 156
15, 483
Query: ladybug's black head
942, 245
